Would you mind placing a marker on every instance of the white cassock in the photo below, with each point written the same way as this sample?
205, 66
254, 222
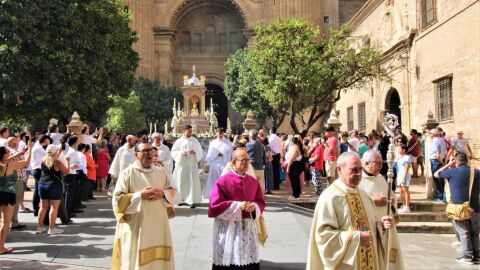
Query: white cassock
216, 163
374, 186
165, 156
142, 237
186, 173
340, 214
124, 157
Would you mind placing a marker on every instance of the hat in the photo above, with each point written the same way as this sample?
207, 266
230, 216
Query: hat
330, 128
52, 149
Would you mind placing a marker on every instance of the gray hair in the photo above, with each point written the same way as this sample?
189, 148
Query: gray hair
370, 155
253, 133
345, 157
435, 132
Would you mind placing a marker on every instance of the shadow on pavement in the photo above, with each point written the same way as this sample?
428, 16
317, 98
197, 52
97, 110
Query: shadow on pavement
267, 265
9, 264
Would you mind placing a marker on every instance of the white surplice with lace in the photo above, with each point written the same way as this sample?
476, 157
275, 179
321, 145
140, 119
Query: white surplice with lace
235, 242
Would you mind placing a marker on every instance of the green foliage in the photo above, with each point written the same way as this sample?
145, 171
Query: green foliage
157, 99
126, 114
58, 56
296, 69
240, 88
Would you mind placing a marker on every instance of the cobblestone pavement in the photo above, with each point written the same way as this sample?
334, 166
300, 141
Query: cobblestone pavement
87, 244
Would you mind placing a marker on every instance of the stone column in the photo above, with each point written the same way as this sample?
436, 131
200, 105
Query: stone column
164, 49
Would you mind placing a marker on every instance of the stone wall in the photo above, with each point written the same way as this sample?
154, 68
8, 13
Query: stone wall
448, 47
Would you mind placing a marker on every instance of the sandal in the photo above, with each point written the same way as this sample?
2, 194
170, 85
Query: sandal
26, 210
7, 251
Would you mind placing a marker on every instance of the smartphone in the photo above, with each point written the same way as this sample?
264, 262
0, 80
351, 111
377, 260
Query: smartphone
27, 138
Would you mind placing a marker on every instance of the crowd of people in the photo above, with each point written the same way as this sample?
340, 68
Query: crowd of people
149, 174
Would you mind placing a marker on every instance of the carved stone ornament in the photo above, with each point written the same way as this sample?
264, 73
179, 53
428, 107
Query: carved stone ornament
391, 124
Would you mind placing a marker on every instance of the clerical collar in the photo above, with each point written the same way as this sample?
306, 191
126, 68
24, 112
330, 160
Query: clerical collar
237, 174
137, 165
347, 187
367, 173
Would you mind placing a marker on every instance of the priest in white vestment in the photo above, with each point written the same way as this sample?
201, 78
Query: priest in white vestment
164, 155
377, 187
187, 152
218, 155
142, 194
124, 157
345, 232
236, 203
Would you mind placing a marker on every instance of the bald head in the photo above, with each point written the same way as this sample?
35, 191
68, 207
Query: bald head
240, 161
131, 140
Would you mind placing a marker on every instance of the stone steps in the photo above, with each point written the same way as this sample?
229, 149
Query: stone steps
425, 227
425, 217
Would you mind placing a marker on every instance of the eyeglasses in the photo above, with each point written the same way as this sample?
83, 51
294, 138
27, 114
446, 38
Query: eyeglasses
355, 170
145, 150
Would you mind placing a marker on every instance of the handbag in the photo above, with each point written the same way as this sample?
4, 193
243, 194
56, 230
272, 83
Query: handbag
261, 230
462, 211
170, 208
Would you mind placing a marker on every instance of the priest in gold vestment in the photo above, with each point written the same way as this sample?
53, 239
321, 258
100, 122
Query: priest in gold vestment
140, 200
376, 186
345, 232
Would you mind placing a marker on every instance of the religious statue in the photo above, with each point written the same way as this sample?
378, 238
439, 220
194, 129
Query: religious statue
213, 121
175, 124
391, 124
194, 111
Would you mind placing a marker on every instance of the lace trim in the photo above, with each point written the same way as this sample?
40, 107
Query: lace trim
235, 242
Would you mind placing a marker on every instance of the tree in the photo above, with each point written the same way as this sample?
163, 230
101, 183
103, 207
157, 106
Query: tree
240, 88
125, 116
58, 56
156, 99
296, 69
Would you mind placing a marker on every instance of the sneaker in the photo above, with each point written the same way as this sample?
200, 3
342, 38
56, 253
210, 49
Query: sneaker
404, 209
41, 230
54, 231
465, 260
18, 227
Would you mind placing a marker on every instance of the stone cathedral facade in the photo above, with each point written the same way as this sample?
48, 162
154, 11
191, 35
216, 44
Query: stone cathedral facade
174, 35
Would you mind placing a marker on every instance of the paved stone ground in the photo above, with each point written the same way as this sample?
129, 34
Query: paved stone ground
87, 244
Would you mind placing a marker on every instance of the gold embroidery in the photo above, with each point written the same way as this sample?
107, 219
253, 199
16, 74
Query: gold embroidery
151, 254
122, 204
116, 255
392, 257
366, 256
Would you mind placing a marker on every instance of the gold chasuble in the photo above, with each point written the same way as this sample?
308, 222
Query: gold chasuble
142, 238
341, 213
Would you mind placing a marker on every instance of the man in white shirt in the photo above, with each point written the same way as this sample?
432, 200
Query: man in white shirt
54, 134
275, 144
71, 180
164, 155
354, 142
38, 152
4, 133
124, 157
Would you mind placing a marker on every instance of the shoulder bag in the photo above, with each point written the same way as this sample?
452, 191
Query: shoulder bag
462, 211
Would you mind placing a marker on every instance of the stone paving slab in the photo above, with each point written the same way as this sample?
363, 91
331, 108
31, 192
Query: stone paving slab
88, 243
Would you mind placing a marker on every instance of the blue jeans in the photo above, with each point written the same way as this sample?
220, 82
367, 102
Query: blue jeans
469, 230
439, 182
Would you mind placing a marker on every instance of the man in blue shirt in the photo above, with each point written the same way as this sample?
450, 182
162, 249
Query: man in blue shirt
438, 150
459, 182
